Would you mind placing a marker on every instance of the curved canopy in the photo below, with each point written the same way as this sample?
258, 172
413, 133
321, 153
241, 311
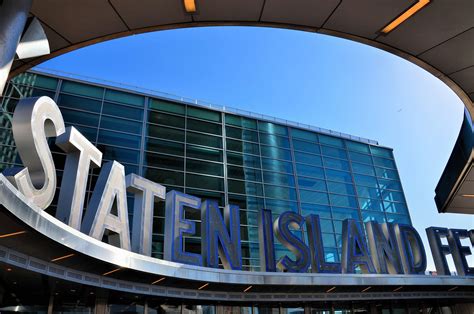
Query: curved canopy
439, 37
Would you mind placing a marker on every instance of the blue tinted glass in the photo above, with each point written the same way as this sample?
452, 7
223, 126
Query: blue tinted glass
370, 204
305, 135
243, 160
247, 202
342, 201
390, 185
78, 117
323, 211
204, 182
164, 161
203, 139
248, 174
340, 176
204, 167
336, 164
363, 191
119, 139
342, 213
386, 173
331, 255
205, 127
81, 103
272, 128
241, 134
383, 162
242, 187
165, 177
275, 153
357, 147
206, 153
308, 159
279, 206
277, 165
314, 197
119, 154
393, 196
89, 133
240, 121
312, 184
122, 111
363, 169
329, 140
371, 216
166, 119
397, 208
329, 240
306, 147
326, 226
310, 171
366, 159
401, 219
82, 89
204, 114
244, 147
167, 106
365, 180
165, 147
381, 152
124, 97
333, 152
121, 125
274, 140
341, 188
165, 133
280, 192
278, 178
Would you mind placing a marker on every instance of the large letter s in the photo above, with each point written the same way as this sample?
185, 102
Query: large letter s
34, 120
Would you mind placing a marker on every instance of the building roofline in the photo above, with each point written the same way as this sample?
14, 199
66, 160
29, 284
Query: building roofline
195, 102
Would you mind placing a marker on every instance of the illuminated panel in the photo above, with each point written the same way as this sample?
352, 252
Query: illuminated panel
190, 6
405, 15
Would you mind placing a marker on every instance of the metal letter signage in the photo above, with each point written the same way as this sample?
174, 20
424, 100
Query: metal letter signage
388, 248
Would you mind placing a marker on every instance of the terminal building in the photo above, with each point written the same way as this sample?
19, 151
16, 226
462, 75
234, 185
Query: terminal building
222, 154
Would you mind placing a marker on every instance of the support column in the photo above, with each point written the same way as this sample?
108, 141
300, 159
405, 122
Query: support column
13, 16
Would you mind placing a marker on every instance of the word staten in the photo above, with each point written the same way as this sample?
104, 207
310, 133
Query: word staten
386, 248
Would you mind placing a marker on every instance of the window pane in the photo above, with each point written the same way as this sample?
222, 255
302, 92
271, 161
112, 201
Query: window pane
277, 165
202, 139
204, 182
119, 154
305, 135
370, 204
389, 185
329, 140
242, 134
275, 153
345, 213
326, 226
333, 152
306, 147
280, 192
393, 196
272, 128
274, 140
166, 119
122, 111
160, 146
166, 133
167, 106
243, 160
343, 201
244, 147
341, 188
340, 176
204, 114
204, 167
386, 173
397, 208
312, 184
381, 152
357, 147
278, 178
371, 216
383, 162
365, 180
81, 103
363, 169
82, 89
336, 164
310, 171
36, 80
242, 187
204, 153
247, 202
121, 125
363, 191
366, 159
205, 127
279, 206
165, 177
73, 117
314, 197
124, 97
323, 211
164, 161
240, 121
401, 219
308, 159
119, 139
247, 174
207, 195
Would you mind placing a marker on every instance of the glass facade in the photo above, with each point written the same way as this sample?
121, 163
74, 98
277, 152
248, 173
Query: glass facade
229, 158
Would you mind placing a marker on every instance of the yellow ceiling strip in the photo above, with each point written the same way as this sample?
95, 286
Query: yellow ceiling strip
407, 14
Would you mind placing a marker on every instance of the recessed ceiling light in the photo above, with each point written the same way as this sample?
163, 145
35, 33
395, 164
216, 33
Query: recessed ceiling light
404, 16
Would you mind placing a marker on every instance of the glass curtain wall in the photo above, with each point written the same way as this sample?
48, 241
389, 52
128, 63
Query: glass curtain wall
228, 158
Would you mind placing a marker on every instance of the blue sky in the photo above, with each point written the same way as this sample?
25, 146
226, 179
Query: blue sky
305, 77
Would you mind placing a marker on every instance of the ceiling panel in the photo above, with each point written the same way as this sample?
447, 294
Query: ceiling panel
443, 55
309, 12
55, 40
465, 79
434, 24
365, 17
228, 10
146, 13
79, 20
